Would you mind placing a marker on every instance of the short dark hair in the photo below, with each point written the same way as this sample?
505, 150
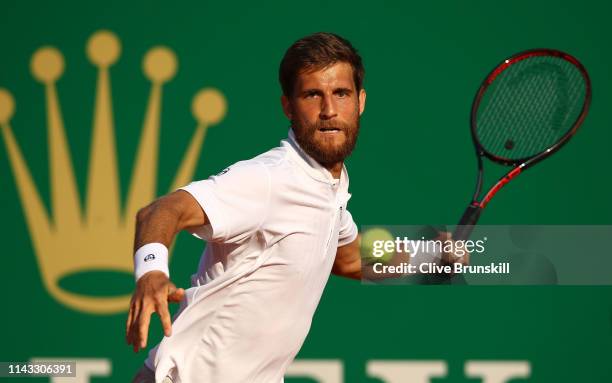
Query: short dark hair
316, 52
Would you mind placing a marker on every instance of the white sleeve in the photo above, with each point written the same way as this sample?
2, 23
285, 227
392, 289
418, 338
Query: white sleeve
348, 229
235, 202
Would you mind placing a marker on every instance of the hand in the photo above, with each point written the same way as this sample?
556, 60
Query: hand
153, 292
459, 253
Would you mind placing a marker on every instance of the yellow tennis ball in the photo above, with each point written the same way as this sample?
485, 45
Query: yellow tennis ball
375, 245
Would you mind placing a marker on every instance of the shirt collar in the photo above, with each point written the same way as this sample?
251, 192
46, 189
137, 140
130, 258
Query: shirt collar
310, 165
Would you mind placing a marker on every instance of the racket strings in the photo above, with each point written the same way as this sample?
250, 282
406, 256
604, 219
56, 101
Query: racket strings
538, 110
519, 86
560, 89
535, 98
529, 107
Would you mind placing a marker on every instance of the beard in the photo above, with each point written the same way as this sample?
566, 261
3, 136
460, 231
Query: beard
323, 150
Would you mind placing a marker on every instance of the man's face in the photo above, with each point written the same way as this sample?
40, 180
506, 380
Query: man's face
324, 111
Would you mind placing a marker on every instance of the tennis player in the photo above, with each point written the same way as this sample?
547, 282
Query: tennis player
276, 225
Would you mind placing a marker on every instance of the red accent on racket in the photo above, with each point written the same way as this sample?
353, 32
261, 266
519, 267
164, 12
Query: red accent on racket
526, 109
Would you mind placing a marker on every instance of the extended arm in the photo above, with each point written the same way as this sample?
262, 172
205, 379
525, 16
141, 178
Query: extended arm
348, 260
159, 222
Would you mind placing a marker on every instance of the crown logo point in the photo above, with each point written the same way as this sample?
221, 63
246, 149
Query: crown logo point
103, 48
47, 65
209, 106
160, 65
7, 106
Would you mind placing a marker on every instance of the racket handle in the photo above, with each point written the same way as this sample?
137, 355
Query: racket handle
467, 223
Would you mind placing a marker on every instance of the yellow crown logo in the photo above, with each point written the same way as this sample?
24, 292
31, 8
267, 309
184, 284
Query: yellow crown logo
99, 238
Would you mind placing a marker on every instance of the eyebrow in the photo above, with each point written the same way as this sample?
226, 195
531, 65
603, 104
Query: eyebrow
311, 91
343, 89
319, 91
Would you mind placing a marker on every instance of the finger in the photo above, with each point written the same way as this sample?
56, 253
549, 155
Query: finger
444, 235
134, 334
177, 295
130, 318
136, 309
164, 314
143, 328
128, 324
132, 337
171, 288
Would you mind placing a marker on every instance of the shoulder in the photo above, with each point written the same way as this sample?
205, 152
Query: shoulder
270, 170
275, 162
258, 170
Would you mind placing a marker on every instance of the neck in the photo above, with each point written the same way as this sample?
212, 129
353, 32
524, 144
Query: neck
334, 169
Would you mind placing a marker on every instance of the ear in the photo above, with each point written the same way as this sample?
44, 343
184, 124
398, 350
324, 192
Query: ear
287, 109
362, 100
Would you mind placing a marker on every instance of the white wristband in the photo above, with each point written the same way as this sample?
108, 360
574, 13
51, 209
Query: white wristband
149, 257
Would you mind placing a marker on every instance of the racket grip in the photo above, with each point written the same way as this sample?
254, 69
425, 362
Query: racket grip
466, 224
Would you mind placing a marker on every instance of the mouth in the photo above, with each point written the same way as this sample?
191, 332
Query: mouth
330, 130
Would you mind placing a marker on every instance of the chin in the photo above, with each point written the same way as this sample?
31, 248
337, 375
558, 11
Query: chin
331, 146
336, 140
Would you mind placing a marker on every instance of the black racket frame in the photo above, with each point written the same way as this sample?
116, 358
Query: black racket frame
472, 213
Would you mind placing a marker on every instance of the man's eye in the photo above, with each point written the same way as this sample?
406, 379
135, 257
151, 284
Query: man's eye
311, 95
342, 93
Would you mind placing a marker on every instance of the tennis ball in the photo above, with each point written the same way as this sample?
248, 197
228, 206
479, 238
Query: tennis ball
373, 242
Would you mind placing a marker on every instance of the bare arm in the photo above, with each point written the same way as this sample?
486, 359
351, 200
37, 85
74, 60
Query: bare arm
159, 222
348, 260
164, 218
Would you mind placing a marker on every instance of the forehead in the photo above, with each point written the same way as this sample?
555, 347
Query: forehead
338, 75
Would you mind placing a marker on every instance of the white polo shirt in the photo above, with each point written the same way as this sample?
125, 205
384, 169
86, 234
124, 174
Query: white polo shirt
275, 223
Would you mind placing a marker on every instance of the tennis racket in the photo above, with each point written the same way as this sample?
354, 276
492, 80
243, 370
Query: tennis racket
526, 109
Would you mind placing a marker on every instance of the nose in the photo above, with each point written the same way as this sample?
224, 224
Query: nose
328, 108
